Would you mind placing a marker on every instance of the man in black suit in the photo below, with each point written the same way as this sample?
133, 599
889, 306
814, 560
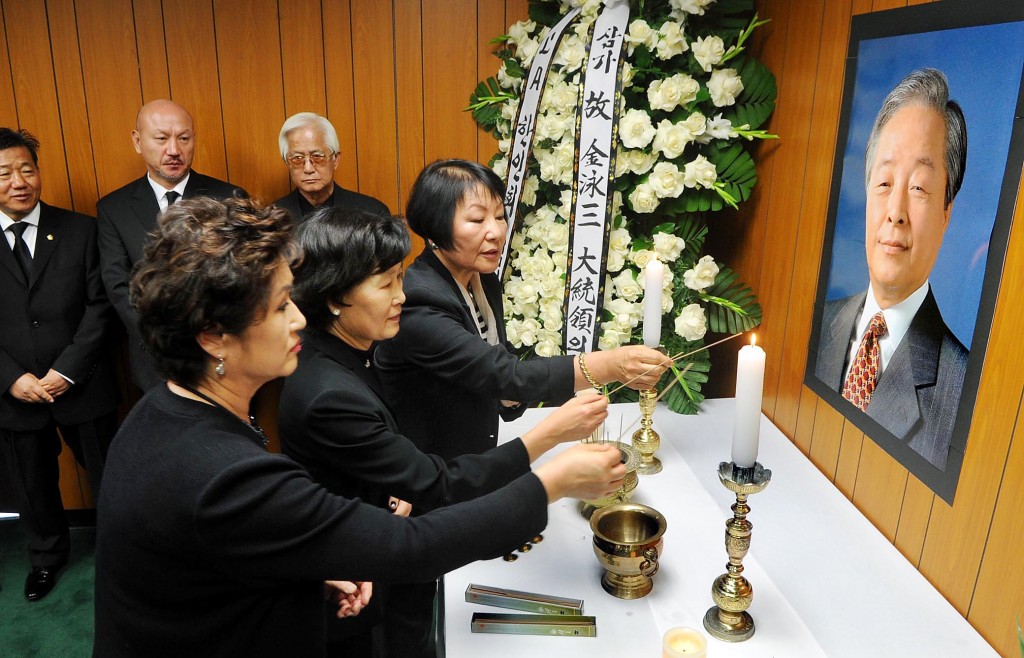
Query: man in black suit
53, 371
165, 138
887, 349
309, 146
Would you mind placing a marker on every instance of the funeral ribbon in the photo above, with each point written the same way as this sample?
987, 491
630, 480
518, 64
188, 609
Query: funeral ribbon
597, 119
525, 127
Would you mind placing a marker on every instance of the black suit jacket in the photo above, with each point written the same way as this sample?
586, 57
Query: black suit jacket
335, 422
444, 382
341, 198
918, 393
126, 218
59, 319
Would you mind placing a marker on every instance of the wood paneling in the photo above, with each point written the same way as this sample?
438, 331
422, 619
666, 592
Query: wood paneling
394, 77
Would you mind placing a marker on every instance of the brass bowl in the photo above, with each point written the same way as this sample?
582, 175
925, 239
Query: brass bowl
631, 458
628, 544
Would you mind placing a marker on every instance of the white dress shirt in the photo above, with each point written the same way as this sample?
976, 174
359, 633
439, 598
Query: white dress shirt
29, 236
161, 192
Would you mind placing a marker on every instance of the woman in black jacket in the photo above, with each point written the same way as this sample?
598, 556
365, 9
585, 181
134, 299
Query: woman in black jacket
336, 421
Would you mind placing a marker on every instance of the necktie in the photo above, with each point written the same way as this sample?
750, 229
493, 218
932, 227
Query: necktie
21, 252
172, 196
860, 383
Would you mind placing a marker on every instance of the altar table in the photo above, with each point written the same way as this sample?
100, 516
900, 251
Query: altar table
826, 582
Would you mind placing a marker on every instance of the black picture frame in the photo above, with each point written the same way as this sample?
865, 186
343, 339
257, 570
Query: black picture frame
962, 39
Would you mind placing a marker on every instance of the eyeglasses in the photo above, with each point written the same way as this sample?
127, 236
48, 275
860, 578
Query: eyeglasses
316, 158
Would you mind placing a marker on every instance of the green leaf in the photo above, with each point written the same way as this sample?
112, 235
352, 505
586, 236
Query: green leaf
757, 100
732, 307
513, 69
545, 13
485, 102
685, 396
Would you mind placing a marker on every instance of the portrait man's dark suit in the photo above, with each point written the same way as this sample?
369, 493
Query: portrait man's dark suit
918, 392
126, 217
58, 319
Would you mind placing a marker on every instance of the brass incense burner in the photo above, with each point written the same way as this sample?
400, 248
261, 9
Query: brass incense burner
729, 620
628, 544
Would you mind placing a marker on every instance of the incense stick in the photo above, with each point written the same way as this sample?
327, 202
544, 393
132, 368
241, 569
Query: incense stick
675, 380
675, 358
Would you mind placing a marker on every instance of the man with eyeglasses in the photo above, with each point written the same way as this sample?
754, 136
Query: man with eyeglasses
309, 146
165, 137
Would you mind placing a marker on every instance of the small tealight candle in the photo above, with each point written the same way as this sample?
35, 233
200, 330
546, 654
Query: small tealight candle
683, 642
654, 279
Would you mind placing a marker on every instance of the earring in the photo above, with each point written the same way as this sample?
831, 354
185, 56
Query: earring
335, 312
220, 366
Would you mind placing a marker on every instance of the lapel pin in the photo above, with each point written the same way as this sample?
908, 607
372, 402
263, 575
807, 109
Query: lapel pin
49, 236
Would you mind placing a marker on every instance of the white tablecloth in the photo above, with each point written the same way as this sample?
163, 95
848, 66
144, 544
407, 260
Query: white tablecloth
826, 582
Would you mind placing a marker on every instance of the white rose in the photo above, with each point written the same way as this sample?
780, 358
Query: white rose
725, 85
560, 260
670, 40
666, 180
702, 275
565, 203
548, 345
548, 164
500, 167
619, 239
571, 52
562, 97
626, 314
635, 129
509, 109
565, 158
611, 337
527, 50
556, 237
551, 314
615, 260
528, 331
666, 300
530, 187
521, 30
512, 332
552, 126
717, 128
699, 172
696, 124
551, 289
643, 199
691, 323
641, 257
504, 145
668, 247
671, 138
689, 6
640, 33
505, 80
640, 162
671, 92
626, 286
626, 75
708, 51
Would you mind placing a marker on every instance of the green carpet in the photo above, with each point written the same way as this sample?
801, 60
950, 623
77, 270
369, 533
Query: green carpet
61, 624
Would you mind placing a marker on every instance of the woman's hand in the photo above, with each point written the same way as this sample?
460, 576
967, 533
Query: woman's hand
574, 420
636, 366
351, 597
399, 507
587, 471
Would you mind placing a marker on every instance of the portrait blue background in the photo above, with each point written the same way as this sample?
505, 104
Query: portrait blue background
983, 65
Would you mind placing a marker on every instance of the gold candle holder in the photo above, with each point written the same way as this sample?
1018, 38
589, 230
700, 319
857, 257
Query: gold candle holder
729, 620
645, 439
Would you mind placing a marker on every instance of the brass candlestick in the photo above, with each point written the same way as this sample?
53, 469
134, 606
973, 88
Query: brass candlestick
645, 439
728, 620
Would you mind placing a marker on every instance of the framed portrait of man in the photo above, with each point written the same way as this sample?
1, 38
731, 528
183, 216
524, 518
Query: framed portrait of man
927, 166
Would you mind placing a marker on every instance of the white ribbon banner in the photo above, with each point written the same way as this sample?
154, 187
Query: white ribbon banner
525, 126
597, 126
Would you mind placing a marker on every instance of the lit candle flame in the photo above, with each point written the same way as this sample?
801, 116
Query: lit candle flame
753, 339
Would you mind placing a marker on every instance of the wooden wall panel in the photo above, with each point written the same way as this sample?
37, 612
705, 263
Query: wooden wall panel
152, 44
394, 77
374, 77
341, 110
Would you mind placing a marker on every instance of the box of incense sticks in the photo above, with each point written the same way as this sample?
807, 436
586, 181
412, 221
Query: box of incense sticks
556, 625
526, 601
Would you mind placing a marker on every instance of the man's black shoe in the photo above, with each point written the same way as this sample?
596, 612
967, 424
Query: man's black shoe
39, 582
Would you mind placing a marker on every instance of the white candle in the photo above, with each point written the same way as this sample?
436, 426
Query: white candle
684, 642
749, 387
654, 278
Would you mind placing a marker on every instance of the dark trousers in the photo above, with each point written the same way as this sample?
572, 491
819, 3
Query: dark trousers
408, 620
28, 464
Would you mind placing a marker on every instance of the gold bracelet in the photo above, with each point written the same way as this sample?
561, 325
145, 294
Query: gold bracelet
586, 373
